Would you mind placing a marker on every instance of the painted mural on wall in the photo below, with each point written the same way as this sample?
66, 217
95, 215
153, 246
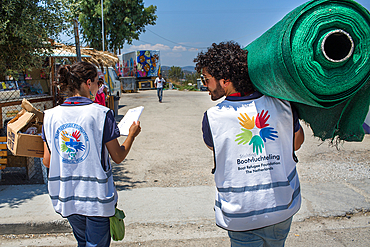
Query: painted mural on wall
147, 63
144, 63
129, 64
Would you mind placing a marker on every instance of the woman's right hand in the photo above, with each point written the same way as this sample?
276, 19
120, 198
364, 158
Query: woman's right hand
134, 129
119, 152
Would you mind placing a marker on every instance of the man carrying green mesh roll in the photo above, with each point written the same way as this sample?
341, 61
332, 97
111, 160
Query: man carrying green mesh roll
253, 138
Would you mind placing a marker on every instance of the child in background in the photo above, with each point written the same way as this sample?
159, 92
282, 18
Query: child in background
100, 95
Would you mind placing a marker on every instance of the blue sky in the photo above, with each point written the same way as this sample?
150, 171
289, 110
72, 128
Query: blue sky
184, 28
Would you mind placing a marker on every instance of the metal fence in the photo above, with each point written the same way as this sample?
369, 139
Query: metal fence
19, 169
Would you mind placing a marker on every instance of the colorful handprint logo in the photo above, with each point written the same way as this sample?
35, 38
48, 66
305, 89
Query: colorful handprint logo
249, 124
72, 143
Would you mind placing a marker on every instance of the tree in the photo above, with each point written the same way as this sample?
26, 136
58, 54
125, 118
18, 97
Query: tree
124, 21
192, 78
25, 27
175, 73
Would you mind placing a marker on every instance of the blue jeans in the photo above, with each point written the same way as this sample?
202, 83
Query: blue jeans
269, 236
90, 231
160, 94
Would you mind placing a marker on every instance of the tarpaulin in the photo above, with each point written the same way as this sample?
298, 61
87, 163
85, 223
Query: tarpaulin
318, 57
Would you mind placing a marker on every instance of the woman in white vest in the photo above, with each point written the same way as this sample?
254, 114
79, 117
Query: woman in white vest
253, 138
79, 135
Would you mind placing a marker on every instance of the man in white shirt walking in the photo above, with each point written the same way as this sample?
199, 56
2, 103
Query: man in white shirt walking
159, 83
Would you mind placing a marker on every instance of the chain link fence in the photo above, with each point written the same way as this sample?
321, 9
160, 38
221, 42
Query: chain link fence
18, 169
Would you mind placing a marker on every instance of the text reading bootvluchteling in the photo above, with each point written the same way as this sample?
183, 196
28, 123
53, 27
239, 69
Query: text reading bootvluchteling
258, 167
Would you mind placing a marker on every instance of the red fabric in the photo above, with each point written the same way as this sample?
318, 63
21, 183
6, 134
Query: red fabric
236, 94
240, 95
100, 99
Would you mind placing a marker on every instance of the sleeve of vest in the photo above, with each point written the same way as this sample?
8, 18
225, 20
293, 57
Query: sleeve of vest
44, 138
297, 125
111, 130
207, 135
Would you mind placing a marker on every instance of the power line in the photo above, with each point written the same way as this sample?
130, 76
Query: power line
67, 41
175, 42
146, 42
258, 31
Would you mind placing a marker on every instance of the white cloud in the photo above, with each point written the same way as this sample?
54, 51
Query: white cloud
178, 48
194, 49
160, 47
174, 54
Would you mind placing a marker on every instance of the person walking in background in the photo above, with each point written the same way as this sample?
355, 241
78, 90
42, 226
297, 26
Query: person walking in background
253, 138
159, 84
100, 95
78, 137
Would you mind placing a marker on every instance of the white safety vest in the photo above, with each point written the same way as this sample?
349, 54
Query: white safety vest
256, 179
77, 182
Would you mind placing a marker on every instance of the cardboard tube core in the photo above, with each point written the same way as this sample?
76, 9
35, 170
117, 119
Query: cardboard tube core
337, 46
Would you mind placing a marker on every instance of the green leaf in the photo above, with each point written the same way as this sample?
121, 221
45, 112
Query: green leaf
124, 21
25, 27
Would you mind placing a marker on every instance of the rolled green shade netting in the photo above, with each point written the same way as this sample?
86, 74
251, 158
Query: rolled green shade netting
318, 57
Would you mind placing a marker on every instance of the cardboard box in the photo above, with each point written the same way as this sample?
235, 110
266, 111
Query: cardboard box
20, 143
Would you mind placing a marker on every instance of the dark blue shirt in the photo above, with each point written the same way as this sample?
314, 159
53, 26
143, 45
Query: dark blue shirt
207, 135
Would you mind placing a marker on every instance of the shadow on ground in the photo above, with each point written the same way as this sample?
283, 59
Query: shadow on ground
122, 178
15, 195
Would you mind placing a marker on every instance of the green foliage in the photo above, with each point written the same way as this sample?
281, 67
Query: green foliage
192, 78
175, 73
73, 7
185, 87
25, 27
124, 21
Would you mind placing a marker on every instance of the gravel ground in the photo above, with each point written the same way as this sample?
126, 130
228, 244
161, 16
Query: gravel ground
170, 151
351, 230
322, 162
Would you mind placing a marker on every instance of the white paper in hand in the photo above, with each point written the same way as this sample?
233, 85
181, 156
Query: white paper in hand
131, 116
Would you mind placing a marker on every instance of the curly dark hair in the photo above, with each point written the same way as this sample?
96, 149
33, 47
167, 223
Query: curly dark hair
70, 78
227, 61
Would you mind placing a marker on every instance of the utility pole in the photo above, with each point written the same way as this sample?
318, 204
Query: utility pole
102, 24
77, 41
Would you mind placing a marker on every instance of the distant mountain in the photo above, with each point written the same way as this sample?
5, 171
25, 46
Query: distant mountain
165, 68
190, 69
187, 70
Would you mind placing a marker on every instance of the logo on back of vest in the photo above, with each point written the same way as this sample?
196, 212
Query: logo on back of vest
257, 124
72, 143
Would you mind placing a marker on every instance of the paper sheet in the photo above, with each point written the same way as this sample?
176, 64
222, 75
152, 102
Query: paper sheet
131, 116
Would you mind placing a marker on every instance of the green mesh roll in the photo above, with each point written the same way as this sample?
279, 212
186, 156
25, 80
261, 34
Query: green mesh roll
318, 57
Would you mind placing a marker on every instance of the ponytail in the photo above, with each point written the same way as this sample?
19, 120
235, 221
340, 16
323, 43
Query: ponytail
70, 78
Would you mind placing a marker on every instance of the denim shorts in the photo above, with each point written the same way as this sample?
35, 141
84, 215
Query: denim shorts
90, 231
269, 236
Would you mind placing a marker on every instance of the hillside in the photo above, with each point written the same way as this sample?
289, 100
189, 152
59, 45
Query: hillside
186, 69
